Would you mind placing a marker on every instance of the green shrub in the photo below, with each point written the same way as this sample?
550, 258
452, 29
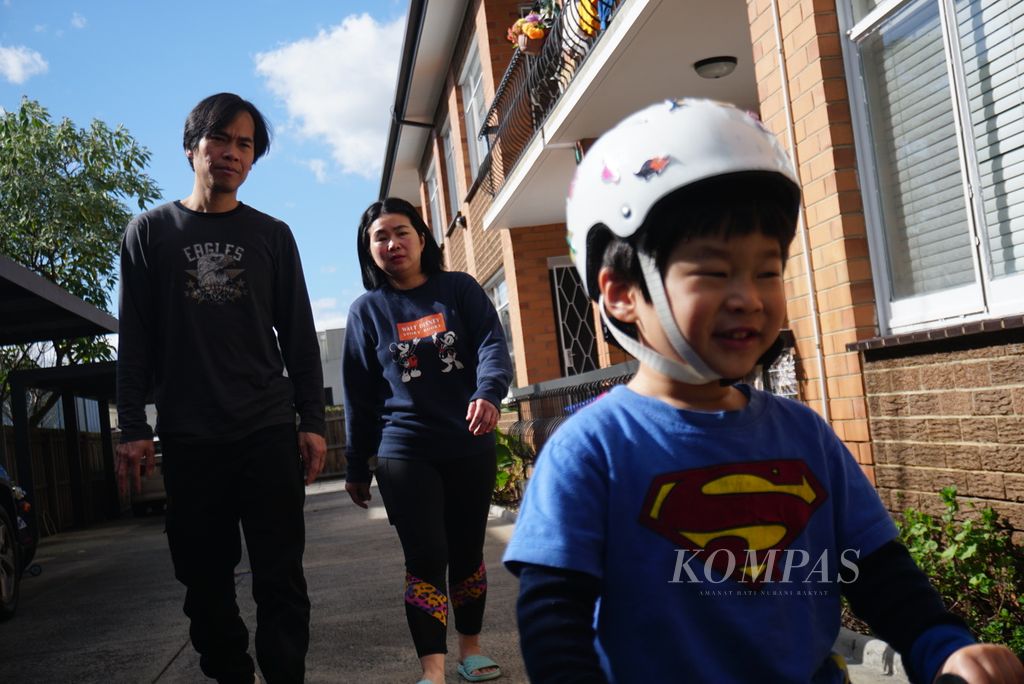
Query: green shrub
513, 458
974, 565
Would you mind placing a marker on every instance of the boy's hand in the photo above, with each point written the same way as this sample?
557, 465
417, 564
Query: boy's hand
985, 664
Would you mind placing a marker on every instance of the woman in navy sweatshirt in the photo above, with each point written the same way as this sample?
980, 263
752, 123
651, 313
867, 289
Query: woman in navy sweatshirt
425, 367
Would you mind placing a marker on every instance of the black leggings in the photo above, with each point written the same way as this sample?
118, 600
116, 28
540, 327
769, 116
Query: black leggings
440, 510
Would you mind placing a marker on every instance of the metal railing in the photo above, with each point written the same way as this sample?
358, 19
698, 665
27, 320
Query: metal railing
533, 84
543, 407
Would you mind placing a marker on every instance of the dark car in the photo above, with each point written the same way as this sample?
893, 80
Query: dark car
18, 538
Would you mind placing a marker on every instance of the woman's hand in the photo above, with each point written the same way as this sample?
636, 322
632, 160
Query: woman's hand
986, 663
482, 416
360, 493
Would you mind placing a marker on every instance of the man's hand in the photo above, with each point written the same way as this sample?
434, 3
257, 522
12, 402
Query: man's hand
985, 664
482, 416
359, 492
131, 458
314, 450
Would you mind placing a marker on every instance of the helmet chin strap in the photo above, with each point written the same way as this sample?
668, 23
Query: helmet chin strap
692, 370
680, 372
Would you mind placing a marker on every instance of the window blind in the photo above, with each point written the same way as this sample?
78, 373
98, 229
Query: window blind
916, 159
993, 50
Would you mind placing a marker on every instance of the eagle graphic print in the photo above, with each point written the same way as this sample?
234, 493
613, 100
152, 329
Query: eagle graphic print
215, 276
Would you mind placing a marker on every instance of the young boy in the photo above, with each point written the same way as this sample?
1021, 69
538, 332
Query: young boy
685, 528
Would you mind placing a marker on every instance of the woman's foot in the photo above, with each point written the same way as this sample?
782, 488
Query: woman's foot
483, 669
433, 668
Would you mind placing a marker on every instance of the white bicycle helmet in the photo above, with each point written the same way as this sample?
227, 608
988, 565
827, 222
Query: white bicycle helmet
645, 157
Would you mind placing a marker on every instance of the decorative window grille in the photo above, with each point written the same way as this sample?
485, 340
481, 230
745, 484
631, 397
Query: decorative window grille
574, 319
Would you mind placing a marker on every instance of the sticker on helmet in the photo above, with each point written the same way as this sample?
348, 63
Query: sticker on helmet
653, 167
608, 174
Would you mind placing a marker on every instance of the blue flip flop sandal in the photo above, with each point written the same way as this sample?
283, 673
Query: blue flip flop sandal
475, 663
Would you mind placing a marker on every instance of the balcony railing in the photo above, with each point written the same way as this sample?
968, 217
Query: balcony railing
533, 84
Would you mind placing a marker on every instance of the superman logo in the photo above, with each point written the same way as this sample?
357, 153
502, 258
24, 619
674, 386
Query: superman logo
751, 511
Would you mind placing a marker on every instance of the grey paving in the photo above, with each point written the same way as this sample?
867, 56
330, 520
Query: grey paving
106, 608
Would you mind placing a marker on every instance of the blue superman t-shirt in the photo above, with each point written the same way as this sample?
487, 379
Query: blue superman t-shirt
719, 537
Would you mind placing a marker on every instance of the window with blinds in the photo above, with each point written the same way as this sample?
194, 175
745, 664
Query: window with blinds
992, 48
936, 93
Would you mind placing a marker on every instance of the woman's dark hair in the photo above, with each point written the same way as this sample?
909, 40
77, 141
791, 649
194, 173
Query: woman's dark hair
431, 261
216, 113
730, 206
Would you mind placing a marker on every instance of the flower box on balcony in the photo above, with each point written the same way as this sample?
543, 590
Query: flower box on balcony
530, 46
528, 33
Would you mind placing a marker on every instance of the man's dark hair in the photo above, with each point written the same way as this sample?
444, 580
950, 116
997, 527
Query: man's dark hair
431, 261
216, 113
729, 206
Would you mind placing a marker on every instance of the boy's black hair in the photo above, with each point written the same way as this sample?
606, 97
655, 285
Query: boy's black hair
215, 113
431, 261
729, 206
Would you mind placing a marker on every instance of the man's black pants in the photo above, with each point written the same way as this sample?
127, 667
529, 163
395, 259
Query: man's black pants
258, 482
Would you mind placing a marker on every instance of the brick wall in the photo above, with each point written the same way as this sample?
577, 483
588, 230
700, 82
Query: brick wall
485, 246
530, 304
840, 274
950, 417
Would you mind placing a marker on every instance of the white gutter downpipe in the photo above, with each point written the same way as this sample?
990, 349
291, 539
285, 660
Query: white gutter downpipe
805, 240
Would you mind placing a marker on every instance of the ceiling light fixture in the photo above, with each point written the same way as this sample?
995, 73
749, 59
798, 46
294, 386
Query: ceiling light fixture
715, 67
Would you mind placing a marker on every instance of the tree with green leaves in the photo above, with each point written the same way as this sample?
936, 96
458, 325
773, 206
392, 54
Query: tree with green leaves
64, 202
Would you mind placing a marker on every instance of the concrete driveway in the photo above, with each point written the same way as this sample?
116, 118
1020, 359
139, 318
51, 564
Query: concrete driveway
108, 609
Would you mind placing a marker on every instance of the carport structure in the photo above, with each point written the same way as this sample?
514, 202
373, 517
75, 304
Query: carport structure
33, 309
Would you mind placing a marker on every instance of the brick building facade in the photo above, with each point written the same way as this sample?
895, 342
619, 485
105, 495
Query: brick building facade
915, 362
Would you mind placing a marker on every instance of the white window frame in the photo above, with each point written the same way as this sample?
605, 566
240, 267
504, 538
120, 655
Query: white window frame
493, 288
450, 166
986, 297
437, 224
474, 108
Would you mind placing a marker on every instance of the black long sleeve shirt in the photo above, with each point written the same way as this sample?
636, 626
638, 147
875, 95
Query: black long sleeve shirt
213, 309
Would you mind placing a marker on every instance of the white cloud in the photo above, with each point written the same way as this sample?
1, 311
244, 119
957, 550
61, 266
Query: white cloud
329, 269
39, 28
327, 315
78, 21
18, 64
339, 86
319, 169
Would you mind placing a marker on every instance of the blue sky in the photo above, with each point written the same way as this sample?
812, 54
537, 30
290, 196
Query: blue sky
322, 71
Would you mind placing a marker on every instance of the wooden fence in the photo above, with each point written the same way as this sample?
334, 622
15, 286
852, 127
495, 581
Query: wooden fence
51, 476
51, 473
335, 463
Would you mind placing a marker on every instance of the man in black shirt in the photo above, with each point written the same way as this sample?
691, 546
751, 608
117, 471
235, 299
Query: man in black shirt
213, 309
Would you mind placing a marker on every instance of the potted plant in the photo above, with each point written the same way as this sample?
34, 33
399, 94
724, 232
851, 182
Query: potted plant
528, 33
